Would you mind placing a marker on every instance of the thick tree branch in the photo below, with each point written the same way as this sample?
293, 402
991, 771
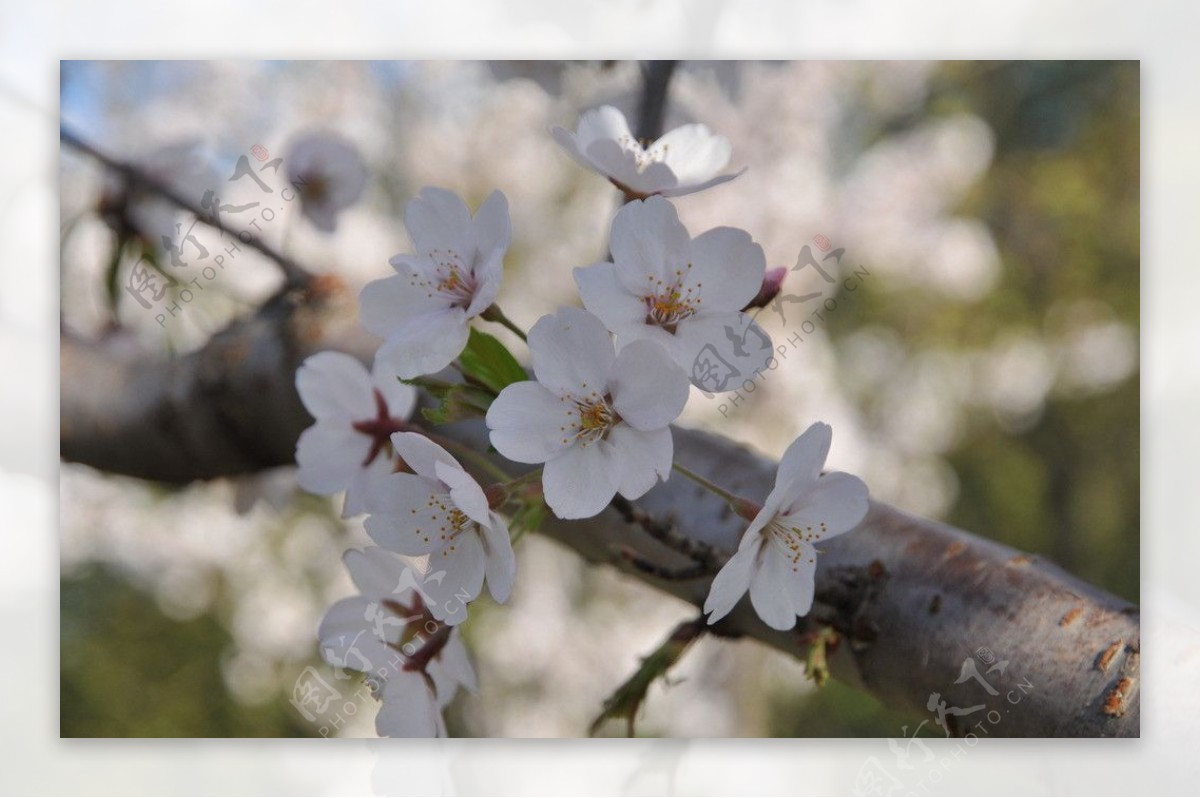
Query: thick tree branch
912, 598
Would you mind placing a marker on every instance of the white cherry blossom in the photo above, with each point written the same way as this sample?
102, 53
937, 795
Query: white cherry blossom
777, 557
383, 631
452, 276
598, 420
685, 160
683, 293
328, 174
441, 511
356, 412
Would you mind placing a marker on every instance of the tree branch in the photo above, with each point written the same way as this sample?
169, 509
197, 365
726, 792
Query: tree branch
295, 276
912, 598
656, 78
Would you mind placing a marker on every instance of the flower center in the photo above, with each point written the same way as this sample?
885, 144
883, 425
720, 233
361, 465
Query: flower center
313, 187
451, 278
446, 523
797, 541
589, 419
667, 304
644, 152
378, 429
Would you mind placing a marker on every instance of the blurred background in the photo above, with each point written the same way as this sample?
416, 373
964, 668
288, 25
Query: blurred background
983, 370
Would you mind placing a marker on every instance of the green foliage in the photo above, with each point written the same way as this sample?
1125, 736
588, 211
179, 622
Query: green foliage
487, 367
488, 362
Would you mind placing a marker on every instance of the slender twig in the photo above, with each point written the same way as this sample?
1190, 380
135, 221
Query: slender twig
294, 274
627, 699
707, 485
656, 78
494, 313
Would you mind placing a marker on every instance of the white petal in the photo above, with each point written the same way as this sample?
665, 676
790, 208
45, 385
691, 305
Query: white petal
693, 153
804, 458
490, 274
648, 389
329, 454
604, 295
401, 399
730, 583
721, 351
365, 483
597, 124
409, 708
390, 306
501, 560
801, 583
375, 572
465, 564
837, 500
465, 492
648, 244
568, 142
491, 229
348, 638
644, 457
415, 518
730, 266
421, 454
527, 422
680, 191
438, 220
426, 345
581, 481
452, 668
572, 352
335, 385
448, 588
770, 592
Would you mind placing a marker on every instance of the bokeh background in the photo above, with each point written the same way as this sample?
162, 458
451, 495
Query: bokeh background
984, 371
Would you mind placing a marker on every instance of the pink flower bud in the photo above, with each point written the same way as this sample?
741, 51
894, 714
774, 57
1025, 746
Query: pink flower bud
772, 282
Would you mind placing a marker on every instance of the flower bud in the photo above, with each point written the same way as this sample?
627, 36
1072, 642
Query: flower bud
772, 282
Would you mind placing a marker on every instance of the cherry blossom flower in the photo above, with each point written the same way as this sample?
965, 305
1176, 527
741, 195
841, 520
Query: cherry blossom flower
453, 276
686, 294
414, 665
776, 559
356, 412
598, 420
441, 511
329, 175
684, 161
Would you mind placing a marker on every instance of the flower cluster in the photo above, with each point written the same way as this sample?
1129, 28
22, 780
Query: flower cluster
608, 381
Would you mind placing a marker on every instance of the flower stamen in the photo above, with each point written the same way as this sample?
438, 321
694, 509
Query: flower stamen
670, 303
451, 278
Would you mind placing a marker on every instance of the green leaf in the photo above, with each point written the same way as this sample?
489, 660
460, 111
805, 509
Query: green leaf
488, 363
